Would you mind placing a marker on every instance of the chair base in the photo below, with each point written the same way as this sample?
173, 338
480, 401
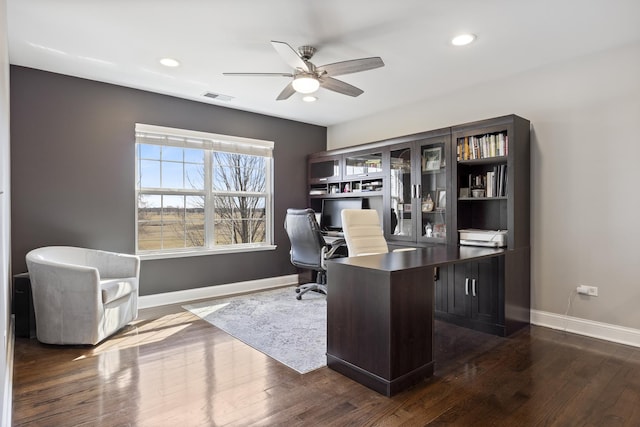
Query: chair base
303, 289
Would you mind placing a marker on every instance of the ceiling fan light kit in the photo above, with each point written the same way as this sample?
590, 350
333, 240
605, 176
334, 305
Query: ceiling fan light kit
307, 78
305, 83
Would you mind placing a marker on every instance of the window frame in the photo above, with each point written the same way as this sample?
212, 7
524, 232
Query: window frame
209, 143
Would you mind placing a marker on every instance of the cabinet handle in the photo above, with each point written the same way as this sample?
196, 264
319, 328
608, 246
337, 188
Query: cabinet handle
322, 179
473, 287
418, 191
466, 286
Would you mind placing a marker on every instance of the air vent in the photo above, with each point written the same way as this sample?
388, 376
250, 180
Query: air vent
218, 96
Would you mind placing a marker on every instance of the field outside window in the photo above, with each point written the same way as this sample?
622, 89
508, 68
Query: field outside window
200, 199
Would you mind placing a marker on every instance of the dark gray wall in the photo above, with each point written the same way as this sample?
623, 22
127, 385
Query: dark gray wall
72, 173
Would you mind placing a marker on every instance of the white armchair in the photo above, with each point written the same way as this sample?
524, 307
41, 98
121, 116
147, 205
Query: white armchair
82, 296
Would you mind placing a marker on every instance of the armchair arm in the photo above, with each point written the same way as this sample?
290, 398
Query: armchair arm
67, 302
114, 265
64, 288
71, 277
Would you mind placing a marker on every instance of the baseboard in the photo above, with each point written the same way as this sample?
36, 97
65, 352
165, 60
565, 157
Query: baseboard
7, 375
177, 297
603, 331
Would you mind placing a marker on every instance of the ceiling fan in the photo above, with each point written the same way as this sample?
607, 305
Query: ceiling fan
307, 78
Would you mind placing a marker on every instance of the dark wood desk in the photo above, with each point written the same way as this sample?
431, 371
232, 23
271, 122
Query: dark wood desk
380, 314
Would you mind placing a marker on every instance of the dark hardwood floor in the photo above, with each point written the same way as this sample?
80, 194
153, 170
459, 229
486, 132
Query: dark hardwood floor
172, 369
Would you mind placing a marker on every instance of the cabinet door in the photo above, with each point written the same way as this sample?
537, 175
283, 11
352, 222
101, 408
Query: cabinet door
401, 194
474, 290
441, 288
363, 165
324, 169
432, 179
458, 294
484, 290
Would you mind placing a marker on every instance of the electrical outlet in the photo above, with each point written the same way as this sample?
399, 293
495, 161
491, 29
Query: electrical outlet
588, 290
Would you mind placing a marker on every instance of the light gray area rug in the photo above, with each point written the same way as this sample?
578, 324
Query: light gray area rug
275, 323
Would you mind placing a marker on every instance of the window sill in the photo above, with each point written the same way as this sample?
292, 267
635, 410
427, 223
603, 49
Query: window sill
185, 254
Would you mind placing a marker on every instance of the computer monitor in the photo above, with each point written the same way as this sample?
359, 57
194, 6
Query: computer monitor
331, 219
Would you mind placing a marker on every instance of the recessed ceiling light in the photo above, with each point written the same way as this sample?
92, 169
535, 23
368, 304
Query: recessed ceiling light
463, 39
309, 98
169, 62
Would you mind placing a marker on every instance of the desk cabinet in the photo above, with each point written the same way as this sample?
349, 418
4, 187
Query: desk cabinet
441, 288
475, 295
380, 312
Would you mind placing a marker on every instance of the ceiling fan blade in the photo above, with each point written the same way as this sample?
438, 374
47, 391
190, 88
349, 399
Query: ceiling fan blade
259, 74
290, 55
340, 87
352, 66
286, 92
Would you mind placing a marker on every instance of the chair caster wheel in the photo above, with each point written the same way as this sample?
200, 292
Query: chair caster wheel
299, 297
297, 290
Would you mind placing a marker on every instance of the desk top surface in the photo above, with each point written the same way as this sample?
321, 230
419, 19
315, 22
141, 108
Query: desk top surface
420, 258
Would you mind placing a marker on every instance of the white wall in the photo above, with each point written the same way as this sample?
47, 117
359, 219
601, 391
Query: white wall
585, 155
6, 349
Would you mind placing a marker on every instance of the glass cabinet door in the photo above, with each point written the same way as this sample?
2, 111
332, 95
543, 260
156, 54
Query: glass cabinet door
432, 225
364, 164
401, 190
324, 169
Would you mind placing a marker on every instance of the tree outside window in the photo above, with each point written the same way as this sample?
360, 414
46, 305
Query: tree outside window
200, 198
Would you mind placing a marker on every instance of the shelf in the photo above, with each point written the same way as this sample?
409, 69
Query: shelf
433, 172
348, 194
480, 199
484, 161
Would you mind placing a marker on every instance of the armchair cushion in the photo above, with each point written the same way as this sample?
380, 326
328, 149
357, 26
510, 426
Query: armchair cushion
113, 289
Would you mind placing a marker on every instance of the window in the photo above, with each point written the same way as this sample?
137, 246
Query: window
200, 192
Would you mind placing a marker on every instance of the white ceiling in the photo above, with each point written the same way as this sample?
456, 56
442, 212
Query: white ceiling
121, 41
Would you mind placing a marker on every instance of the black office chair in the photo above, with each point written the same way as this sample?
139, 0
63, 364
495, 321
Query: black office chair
308, 248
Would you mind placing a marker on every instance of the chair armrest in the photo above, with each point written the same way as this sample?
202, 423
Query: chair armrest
114, 265
330, 250
50, 277
334, 246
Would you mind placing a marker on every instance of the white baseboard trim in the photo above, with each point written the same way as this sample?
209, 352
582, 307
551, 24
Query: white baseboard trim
6, 412
590, 328
177, 297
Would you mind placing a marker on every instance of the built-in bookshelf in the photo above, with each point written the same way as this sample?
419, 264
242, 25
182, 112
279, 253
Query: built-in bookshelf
491, 177
491, 183
348, 188
427, 187
483, 146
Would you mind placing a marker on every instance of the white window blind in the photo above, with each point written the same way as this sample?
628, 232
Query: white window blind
160, 135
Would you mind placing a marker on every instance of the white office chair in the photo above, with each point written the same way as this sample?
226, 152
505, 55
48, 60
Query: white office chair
363, 233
